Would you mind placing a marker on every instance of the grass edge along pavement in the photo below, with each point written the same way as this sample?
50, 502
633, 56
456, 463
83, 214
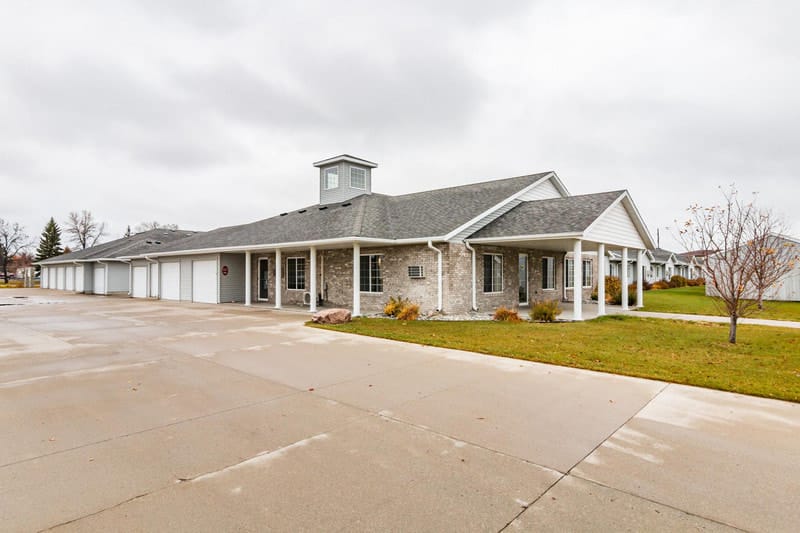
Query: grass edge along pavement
693, 301
765, 361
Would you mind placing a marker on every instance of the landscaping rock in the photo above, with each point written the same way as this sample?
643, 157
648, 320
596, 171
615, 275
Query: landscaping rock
331, 316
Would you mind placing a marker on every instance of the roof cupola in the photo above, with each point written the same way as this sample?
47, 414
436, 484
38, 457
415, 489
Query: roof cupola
344, 177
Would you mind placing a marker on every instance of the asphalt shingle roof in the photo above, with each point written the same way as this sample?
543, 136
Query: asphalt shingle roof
661, 255
557, 215
424, 214
126, 246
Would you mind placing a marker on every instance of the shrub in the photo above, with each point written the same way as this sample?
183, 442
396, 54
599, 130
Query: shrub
505, 314
660, 285
409, 311
395, 305
697, 282
545, 311
613, 286
677, 281
646, 285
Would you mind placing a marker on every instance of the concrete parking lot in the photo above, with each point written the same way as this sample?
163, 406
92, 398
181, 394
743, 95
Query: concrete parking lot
135, 415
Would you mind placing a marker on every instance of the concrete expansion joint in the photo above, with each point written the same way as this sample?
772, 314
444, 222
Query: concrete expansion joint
650, 500
109, 508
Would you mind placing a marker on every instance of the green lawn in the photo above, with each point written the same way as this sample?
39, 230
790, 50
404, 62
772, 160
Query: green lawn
764, 362
693, 301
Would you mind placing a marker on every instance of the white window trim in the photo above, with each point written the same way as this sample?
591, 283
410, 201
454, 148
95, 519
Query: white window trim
364, 188
502, 275
359, 281
325, 177
569, 279
304, 276
590, 271
553, 266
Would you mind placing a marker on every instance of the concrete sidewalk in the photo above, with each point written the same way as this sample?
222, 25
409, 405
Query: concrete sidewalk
137, 415
716, 319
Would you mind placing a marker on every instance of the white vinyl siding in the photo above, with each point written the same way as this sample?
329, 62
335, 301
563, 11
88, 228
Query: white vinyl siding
154, 280
171, 281
492, 273
548, 273
544, 191
616, 226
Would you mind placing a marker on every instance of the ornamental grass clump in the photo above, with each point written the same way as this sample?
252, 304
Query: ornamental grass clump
504, 314
401, 308
545, 311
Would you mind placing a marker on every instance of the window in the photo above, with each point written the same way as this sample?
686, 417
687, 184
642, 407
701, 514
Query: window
358, 178
569, 274
296, 273
587, 273
548, 273
331, 178
370, 271
614, 270
492, 273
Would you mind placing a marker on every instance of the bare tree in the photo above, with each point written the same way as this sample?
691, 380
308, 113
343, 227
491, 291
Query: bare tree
774, 255
13, 240
83, 229
742, 261
147, 226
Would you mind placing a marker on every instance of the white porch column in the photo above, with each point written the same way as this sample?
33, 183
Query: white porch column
356, 279
639, 280
278, 286
601, 279
577, 280
248, 282
313, 285
624, 279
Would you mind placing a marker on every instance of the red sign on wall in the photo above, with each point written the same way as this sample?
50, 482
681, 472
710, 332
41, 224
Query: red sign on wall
224, 270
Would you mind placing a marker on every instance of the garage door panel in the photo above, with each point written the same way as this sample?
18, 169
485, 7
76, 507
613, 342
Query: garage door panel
139, 289
170, 281
69, 282
204, 281
60, 278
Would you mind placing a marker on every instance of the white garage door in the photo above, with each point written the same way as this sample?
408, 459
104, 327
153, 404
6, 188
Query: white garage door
99, 280
79, 278
69, 283
139, 289
44, 281
154, 280
60, 278
204, 281
171, 281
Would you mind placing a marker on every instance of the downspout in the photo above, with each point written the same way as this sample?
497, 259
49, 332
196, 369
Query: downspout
438, 274
474, 277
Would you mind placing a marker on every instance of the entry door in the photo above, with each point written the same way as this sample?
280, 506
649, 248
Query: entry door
263, 278
99, 280
139, 289
523, 279
204, 281
171, 281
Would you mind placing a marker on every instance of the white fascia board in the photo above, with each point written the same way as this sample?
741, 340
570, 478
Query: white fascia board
62, 262
636, 219
559, 184
498, 206
540, 237
282, 245
347, 158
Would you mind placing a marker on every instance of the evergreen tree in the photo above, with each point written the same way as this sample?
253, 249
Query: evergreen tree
49, 242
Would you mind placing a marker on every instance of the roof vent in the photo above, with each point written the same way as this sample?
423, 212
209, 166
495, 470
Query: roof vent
302, 211
148, 241
323, 208
347, 204
284, 214
157, 242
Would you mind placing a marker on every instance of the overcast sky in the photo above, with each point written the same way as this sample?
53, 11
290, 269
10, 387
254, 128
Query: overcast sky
207, 114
